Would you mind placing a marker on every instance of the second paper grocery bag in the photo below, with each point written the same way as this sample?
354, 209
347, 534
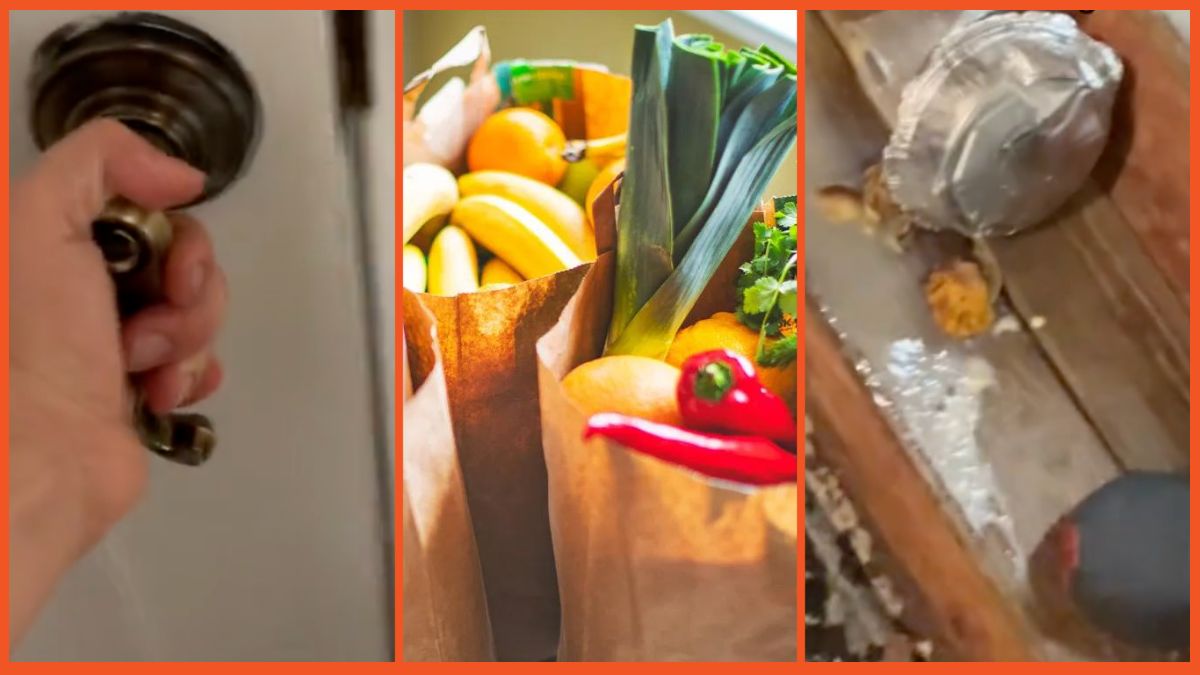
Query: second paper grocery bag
657, 562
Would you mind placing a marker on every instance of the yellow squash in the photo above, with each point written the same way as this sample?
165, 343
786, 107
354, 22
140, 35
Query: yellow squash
515, 235
563, 215
453, 267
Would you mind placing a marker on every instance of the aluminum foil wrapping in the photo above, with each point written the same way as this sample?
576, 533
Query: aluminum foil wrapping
1003, 124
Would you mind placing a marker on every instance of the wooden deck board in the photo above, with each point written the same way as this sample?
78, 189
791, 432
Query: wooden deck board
1113, 327
968, 614
1145, 166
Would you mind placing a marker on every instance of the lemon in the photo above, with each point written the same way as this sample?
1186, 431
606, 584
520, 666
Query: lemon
723, 331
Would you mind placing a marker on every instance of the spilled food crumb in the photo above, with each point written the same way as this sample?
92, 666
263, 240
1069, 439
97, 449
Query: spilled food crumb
1037, 322
1006, 324
960, 299
840, 204
872, 208
978, 375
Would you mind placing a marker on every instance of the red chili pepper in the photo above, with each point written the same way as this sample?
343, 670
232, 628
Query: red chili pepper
719, 391
752, 460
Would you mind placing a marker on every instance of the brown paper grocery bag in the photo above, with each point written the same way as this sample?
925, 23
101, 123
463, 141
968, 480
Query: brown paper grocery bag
487, 347
445, 614
655, 562
487, 341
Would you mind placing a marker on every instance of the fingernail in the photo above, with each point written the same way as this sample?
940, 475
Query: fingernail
148, 351
197, 280
185, 390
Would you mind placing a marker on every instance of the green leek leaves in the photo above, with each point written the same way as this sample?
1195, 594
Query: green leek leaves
704, 142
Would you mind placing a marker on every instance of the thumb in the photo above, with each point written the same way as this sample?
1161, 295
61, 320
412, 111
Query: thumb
98, 161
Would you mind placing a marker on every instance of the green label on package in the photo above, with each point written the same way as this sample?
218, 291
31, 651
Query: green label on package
542, 83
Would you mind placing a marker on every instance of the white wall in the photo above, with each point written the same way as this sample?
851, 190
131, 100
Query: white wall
1181, 20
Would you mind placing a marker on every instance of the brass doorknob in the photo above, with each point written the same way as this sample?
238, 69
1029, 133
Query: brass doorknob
184, 92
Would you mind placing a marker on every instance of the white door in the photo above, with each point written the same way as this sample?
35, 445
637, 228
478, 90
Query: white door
280, 547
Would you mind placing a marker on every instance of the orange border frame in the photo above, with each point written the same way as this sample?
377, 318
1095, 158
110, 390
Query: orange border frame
399, 6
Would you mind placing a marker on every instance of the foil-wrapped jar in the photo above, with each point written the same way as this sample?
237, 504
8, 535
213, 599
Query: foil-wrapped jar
1004, 123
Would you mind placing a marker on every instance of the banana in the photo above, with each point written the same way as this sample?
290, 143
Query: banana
604, 150
559, 212
514, 234
414, 269
496, 271
599, 150
429, 191
453, 267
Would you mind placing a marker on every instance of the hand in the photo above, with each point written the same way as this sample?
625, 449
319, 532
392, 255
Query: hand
76, 463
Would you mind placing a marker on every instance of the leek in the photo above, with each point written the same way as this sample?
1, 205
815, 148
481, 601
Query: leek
692, 121
704, 141
653, 328
644, 224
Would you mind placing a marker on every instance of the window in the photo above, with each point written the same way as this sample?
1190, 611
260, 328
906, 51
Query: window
774, 27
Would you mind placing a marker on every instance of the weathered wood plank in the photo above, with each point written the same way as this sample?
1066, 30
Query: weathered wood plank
1112, 325
1145, 166
971, 616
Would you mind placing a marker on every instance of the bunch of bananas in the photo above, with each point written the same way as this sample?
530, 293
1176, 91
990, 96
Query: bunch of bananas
526, 227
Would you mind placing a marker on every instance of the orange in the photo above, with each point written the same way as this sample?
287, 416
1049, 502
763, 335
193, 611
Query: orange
607, 175
519, 140
630, 385
723, 331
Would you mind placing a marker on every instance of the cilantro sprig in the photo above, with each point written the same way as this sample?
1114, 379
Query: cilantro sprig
767, 287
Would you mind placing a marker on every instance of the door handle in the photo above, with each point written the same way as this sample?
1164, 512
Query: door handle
185, 93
